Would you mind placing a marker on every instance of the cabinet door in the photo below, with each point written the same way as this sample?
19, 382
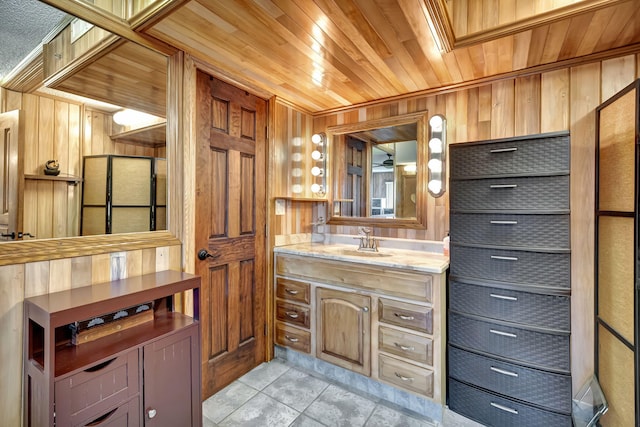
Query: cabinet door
172, 380
344, 329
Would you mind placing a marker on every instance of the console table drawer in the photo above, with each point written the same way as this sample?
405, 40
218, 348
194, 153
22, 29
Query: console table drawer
542, 388
96, 389
527, 308
405, 375
498, 411
544, 155
405, 344
407, 315
546, 350
526, 195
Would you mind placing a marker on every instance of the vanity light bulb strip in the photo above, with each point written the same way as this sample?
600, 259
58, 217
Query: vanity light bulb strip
437, 149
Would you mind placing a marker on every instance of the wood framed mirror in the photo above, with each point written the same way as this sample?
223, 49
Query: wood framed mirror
378, 172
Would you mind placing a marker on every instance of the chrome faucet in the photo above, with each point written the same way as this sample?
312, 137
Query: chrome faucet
367, 242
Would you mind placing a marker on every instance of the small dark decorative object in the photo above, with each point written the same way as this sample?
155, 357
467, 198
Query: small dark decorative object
52, 167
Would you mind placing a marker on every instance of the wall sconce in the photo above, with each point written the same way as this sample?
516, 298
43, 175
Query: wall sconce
319, 168
437, 155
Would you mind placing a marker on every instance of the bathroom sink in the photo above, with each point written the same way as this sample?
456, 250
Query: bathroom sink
355, 252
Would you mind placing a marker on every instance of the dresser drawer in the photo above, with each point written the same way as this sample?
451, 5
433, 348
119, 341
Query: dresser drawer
293, 313
547, 311
407, 315
128, 414
542, 155
493, 410
405, 375
518, 267
543, 349
547, 389
547, 193
295, 338
405, 344
293, 290
91, 393
532, 231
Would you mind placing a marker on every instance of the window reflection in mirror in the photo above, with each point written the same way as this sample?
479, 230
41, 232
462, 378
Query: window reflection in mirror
378, 177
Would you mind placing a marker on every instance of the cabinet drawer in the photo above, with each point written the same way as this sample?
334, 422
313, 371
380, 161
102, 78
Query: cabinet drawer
547, 193
517, 267
407, 315
498, 411
547, 311
97, 389
126, 415
293, 313
295, 338
293, 290
542, 155
542, 388
405, 375
546, 350
405, 344
533, 231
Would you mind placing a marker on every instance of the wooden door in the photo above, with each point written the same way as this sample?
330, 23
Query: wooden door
11, 174
230, 225
344, 329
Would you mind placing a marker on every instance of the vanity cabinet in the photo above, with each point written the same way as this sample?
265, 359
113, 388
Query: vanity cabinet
385, 321
509, 287
344, 329
147, 374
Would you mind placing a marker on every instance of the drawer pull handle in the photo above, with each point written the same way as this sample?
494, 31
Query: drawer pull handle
292, 314
403, 378
404, 316
497, 222
504, 150
498, 186
503, 372
100, 366
504, 258
102, 419
292, 339
291, 291
504, 334
504, 297
504, 408
404, 347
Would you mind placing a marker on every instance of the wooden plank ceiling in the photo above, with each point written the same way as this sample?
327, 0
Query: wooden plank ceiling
326, 54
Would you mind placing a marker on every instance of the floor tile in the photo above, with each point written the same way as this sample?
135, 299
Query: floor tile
261, 411
304, 421
384, 416
339, 407
227, 400
296, 389
452, 419
264, 374
206, 422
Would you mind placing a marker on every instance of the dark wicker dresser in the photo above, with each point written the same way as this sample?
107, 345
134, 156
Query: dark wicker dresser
509, 285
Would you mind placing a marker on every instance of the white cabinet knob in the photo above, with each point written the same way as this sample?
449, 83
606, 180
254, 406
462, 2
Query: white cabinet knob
151, 413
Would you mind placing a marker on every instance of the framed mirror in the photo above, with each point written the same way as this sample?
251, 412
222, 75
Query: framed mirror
378, 172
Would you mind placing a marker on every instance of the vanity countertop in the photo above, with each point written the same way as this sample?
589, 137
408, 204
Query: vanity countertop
427, 262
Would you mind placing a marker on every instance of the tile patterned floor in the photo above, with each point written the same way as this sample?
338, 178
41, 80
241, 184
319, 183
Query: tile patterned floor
276, 394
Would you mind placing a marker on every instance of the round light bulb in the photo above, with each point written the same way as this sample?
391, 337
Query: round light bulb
296, 157
316, 155
296, 172
316, 138
316, 171
315, 188
435, 186
435, 165
436, 123
296, 188
435, 145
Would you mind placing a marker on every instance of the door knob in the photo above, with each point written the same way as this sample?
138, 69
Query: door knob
151, 413
204, 254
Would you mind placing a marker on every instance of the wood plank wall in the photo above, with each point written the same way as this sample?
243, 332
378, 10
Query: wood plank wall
547, 102
21, 281
65, 131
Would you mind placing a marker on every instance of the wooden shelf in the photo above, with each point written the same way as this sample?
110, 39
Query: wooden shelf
70, 179
302, 199
153, 135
